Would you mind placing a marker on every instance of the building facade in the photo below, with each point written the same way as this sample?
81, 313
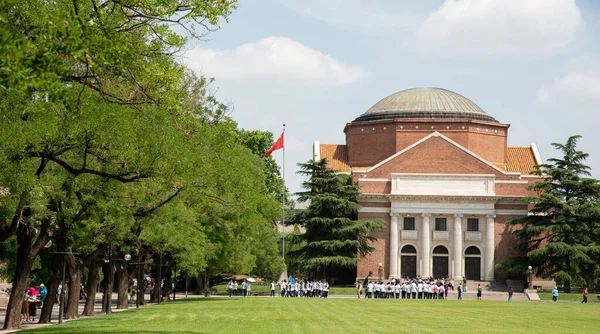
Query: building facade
437, 169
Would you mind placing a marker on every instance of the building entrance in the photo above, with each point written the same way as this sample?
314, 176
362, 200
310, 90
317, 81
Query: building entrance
440, 262
473, 263
408, 262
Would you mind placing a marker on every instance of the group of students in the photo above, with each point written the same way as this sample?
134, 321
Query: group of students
408, 289
309, 289
233, 286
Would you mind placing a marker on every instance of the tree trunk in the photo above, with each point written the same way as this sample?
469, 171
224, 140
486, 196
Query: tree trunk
122, 284
26, 253
157, 283
109, 272
75, 267
166, 290
92, 280
55, 278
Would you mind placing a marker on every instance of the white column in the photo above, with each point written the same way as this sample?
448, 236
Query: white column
457, 248
425, 245
488, 249
393, 245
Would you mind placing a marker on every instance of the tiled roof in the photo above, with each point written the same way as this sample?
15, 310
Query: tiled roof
337, 156
520, 159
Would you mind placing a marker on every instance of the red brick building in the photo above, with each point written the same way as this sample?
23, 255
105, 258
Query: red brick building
438, 170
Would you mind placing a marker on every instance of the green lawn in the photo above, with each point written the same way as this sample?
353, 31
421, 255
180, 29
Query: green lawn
567, 296
341, 315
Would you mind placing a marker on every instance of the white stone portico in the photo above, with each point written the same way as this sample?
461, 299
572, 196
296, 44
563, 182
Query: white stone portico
446, 220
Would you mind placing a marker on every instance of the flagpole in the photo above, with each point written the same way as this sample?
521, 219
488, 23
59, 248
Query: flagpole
283, 202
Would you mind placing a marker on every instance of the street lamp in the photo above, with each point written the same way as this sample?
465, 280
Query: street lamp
380, 270
530, 277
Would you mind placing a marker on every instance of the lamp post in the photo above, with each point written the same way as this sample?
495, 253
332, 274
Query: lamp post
380, 270
529, 278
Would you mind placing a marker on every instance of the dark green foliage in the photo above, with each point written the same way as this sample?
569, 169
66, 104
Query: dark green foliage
334, 238
562, 236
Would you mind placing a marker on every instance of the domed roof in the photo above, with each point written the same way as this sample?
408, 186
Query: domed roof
425, 103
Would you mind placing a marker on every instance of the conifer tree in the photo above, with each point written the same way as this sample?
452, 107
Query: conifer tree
334, 238
561, 238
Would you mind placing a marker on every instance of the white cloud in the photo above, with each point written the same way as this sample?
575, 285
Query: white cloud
278, 59
586, 85
491, 27
580, 79
367, 17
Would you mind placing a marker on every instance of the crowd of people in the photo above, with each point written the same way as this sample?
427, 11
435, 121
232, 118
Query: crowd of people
410, 289
308, 289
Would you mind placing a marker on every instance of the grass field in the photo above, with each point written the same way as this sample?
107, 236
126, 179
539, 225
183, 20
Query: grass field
567, 296
341, 315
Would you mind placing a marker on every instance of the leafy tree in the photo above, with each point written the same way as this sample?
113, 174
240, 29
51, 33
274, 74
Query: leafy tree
334, 238
562, 236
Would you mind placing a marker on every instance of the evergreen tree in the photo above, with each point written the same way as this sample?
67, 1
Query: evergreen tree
334, 238
562, 236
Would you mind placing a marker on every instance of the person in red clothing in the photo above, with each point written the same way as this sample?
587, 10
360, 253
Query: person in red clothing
584, 294
33, 300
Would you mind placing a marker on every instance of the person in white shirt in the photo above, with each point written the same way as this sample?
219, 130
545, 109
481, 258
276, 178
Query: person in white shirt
282, 288
235, 288
370, 287
441, 292
272, 289
358, 289
413, 290
325, 289
420, 290
244, 291
248, 289
230, 287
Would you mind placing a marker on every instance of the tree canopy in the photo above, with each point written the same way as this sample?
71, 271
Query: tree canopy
334, 238
561, 236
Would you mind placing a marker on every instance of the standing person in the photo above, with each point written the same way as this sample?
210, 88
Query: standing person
43, 293
235, 288
244, 286
584, 294
370, 290
465, 283
555, 294
282, 287
510, 293
249, 288
460, 290
272, 289
413, 290
33, 298
441, 292
25, 308
479, 290
358, 289
325, 289
420, 290
230, 287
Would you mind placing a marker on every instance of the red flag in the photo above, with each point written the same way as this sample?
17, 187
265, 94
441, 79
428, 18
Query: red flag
278, 144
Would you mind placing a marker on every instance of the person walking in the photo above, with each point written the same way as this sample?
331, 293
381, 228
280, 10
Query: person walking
244, 286
460, 291
230, 287
510, 293
358, 289
43, 294
479, 291
555, 294
585, 295
33, 298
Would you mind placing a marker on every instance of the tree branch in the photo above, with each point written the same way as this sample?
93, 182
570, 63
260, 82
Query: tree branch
147, 212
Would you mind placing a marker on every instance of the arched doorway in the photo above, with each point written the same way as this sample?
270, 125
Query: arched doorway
408, 261
440, 262
473, 263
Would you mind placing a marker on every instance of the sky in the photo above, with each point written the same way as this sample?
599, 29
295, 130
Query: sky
317, 65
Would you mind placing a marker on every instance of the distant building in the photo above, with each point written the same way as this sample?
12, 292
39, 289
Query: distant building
438, 170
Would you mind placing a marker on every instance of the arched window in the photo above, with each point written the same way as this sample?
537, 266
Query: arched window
440, 250
408, 249
472, 251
